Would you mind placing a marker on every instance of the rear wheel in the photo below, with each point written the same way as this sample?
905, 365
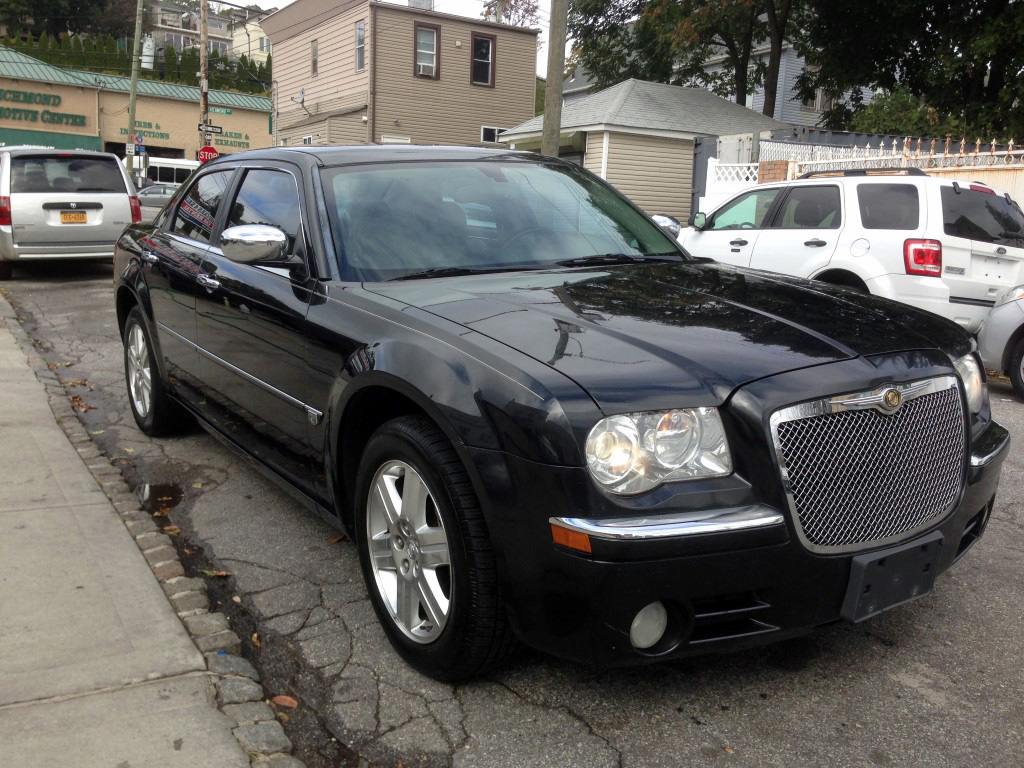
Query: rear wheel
6, 270
1017, 368
154, 411
425, 553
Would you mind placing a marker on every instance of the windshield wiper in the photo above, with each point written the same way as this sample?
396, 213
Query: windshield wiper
603, 259
460, 271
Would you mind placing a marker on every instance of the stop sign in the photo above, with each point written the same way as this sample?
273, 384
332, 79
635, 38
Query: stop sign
207, 153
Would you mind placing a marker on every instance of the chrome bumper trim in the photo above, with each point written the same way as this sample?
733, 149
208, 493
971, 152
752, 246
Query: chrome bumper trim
993, 441
674, 524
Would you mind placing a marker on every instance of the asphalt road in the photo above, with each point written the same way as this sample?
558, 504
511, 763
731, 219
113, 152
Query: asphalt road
937, 682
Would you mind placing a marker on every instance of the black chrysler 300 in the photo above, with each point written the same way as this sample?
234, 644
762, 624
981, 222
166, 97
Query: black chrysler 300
539, 419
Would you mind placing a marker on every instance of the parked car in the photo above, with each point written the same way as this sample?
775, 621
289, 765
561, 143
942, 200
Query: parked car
946, 246
61, 204
545, 421
157, 195
1001, 339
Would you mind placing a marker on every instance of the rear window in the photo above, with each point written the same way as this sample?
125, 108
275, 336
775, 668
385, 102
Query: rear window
66, 174
982, 216
889, 206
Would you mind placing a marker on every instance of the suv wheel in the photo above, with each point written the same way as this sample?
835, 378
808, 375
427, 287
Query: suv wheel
425, 553
6, 270
1017, 368
154, 411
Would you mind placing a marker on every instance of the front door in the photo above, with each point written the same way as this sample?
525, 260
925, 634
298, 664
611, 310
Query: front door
803, 232
731, 232
251, 321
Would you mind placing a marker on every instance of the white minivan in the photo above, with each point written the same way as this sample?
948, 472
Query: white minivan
950, 247
62, 204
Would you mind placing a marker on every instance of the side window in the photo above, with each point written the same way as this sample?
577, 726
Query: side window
889, 206
982, 215
198, 208
271, 198
745, 212
811, 208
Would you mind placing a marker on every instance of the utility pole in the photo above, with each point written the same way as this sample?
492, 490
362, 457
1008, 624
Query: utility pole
136, 56
204, 65
556, 74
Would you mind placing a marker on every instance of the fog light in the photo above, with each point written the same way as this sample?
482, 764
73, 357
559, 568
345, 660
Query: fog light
648, 626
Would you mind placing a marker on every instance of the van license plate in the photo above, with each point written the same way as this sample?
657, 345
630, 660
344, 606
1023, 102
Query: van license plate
72, 217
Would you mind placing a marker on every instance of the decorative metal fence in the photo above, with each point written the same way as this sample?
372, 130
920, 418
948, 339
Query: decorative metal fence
910, 153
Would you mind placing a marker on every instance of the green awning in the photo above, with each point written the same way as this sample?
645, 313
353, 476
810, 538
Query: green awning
15, 136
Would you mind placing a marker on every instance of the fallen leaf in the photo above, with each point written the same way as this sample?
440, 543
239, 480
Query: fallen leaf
186, 550
197, 485
61, 364
216, 573
336, 539
80, 384
282, 717
236, 599
162, 512
284, 701
173, 530
97, 432
256, 639
129, 450
80, 404
728, 750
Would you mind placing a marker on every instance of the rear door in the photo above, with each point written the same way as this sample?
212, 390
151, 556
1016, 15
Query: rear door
803, 232
982, 244
61, 199
731, 231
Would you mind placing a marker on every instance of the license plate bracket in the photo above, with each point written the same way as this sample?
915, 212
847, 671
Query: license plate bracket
882, 580
73, 217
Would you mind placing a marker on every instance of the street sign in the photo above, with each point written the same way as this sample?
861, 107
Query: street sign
129, 149
141, 149
207, 153
210, 128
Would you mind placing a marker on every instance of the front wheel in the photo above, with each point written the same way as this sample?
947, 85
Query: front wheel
425, 553
1017, 368
154, 411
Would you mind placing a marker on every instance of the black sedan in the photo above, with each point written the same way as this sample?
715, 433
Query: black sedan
539, 419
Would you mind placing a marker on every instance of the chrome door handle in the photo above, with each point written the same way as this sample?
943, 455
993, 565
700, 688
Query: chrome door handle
815, 243
208, 282
150, 257
737, 242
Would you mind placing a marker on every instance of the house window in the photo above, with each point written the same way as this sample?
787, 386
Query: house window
428, 61
360, 45
307, 139
489, 134
483, 59
261, 43
312, 58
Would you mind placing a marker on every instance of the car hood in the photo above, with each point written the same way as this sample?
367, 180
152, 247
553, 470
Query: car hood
640, 335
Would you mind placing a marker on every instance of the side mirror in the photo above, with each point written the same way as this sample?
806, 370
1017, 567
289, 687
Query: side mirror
253, 242
698, 220
668, 223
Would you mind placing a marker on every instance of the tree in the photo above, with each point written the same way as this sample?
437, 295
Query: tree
519, 13
962, 58
53, 16
899, 112
778, 14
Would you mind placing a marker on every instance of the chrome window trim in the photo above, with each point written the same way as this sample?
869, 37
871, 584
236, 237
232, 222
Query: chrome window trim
310, 410
850, 401
676, 524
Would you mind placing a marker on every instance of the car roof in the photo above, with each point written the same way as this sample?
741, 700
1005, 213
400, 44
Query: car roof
880, 178
28, 149
372, 153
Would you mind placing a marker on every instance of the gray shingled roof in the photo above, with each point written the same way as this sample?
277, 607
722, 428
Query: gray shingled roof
656, 106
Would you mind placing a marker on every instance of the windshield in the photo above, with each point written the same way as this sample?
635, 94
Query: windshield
401, 219
65, 173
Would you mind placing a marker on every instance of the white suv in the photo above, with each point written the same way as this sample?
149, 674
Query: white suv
950, 247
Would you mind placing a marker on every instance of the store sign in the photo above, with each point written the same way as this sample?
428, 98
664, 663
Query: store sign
147, 130
29, 115
233, 139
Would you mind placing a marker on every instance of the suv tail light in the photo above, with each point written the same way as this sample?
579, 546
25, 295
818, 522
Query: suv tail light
136, 210
923, 257
5, 211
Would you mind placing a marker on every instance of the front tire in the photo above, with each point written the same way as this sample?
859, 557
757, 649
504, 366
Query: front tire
154, 411
1017, 368
425, 553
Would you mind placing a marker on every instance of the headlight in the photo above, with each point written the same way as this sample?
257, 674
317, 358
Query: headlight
1017, 292
974, 384
636, 452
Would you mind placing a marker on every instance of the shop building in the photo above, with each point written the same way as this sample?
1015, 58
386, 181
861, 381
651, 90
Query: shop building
50, 106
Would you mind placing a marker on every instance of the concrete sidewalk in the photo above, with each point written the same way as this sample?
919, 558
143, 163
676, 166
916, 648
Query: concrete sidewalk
96, 669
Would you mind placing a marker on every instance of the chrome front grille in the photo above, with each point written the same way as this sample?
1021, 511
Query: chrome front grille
860, 472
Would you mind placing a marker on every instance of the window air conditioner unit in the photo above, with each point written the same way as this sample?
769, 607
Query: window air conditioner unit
425, 69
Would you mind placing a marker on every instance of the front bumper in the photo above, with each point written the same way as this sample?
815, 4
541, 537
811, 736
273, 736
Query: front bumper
734, 577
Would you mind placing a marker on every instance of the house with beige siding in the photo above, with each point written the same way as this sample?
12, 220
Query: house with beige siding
639, 137
368, 72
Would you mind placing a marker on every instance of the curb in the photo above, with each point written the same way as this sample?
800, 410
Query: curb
238, 693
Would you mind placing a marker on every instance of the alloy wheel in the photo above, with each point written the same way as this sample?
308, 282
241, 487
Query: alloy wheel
409, 552
140, 384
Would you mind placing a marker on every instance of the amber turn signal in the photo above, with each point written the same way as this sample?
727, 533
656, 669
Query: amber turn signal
571, 539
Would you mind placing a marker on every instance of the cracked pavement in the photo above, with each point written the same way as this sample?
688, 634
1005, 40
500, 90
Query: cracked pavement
935, 682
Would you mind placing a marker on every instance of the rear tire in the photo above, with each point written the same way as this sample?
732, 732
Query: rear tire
426, 556
1017, 368
6, 270
155, 412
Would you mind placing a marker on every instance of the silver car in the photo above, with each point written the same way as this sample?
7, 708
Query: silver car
157, 195
62, 204
1001, 338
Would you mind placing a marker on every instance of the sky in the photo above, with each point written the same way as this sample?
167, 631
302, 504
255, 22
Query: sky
472, 9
